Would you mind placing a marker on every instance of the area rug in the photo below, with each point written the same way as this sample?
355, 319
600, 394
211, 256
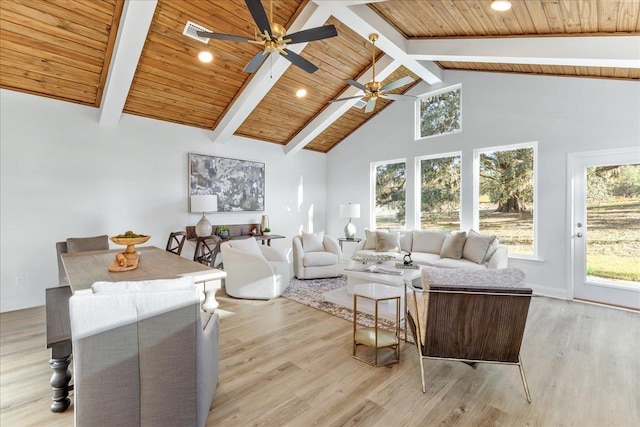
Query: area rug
310, 292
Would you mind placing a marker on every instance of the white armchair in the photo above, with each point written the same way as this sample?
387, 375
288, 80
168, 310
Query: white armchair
254, 271
314, 255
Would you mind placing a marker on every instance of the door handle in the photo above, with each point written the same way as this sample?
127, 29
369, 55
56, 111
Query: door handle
578, 234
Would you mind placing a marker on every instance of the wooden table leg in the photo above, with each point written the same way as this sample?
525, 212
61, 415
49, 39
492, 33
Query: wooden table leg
60, 383
209, 305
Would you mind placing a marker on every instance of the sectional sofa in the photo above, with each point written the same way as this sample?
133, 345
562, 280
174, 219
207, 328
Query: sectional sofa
437, 248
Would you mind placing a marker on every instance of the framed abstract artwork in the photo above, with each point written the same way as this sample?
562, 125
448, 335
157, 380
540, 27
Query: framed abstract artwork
238, 184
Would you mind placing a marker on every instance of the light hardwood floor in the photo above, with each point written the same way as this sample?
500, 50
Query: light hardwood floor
283, 363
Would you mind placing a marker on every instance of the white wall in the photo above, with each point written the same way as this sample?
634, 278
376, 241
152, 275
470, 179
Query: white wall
63, 175
563, 115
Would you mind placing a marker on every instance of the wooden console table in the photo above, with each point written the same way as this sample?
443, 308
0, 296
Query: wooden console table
238, 231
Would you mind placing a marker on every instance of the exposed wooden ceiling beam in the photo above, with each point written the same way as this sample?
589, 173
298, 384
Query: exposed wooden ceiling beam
364, 21
267, 75
384, 67
132, 33
619, 51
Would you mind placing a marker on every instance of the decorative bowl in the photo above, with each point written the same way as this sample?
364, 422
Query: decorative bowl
129, 241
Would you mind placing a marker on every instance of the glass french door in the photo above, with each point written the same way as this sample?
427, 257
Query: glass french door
605, 226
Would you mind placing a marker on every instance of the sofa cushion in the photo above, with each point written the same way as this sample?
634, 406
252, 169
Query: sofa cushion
312, 242
370, 240
387, 242
458, 263
476, 246
424, 258
453, 245
319, 259
406, 240
428, 241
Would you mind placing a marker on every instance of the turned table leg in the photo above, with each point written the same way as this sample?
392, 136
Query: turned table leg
60, 383
209, 305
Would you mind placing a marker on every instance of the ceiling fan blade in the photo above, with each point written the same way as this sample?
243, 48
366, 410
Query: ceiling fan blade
356, 84
313, 34
259, 15
299, 61
346, 99
399, 97
398, 83
371, 104
219, 36
255, 62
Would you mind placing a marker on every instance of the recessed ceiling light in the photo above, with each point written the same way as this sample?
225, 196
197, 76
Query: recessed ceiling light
205, 56
501, 5
301, 92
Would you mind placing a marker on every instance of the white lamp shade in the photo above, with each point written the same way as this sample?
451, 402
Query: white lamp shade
350, 211
204, 203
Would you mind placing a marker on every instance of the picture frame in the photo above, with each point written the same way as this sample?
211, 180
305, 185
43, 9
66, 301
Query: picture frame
238, 184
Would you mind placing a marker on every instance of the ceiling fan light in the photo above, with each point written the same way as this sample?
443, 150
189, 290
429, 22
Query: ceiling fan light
205, 56
501, 5
300, 93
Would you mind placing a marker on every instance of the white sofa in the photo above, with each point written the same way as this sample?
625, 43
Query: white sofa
437, 248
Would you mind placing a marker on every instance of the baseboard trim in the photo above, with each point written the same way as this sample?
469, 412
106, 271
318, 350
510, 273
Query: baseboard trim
547, 291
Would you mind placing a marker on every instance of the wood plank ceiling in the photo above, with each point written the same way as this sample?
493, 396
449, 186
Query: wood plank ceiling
475, 18
63, 48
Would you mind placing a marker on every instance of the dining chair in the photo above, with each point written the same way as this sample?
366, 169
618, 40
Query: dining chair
207, 249
78, 244
176, 242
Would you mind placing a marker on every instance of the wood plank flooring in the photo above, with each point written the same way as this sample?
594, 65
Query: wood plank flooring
283, 363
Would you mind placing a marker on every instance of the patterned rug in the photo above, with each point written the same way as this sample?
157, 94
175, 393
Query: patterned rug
310, 292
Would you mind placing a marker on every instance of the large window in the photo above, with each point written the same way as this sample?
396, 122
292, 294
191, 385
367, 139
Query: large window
389, 195
439, 191
439, 113
505, 198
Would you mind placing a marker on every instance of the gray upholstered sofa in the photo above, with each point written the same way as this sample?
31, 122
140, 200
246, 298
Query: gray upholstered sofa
437, 248
144, 354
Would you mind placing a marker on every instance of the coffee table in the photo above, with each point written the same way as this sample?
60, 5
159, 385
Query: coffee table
344, 296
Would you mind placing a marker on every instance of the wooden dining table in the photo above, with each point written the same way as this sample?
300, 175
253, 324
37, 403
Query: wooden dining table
85, 268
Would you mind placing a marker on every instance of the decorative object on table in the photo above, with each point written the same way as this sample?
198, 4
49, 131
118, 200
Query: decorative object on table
350, 211
222, 231
204, 203
266, 231
238, 184
407, 259
403, 266
376, 269
264, 223
372, 258
127, 260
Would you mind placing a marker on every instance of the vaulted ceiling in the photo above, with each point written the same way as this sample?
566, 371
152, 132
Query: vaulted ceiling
131, 56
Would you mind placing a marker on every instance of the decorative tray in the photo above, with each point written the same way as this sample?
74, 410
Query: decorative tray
372, 258
407, 267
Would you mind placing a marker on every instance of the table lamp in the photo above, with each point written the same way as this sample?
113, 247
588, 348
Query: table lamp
204, 203
350, 211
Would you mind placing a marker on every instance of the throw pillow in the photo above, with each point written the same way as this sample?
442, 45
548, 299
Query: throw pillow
492, 249
249, 246
476, 246
387, 242
429, 241
370, 240
453, 245
312, 242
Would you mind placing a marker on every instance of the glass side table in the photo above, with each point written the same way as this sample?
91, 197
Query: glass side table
374, 337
